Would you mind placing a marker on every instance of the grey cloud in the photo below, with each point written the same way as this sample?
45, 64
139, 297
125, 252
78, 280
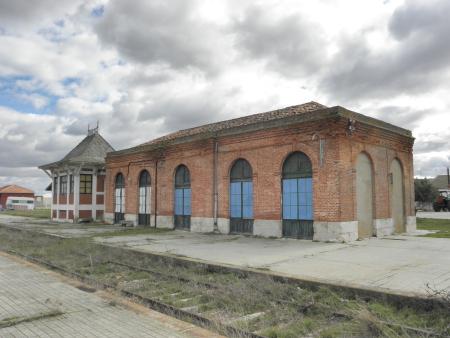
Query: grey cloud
76, 128
431, 167
416, 64
422, 147
183, 112
289, 45
405, 117
162, 32
25, 13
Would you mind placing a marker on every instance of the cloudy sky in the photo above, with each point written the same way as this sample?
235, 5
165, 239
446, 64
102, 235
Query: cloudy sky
146, 68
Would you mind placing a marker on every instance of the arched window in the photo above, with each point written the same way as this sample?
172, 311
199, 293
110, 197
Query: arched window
297, 197
182, 219
241, 197
144, 198
119, 200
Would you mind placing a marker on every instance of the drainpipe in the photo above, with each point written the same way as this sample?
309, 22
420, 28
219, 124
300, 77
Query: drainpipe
156, 192
215, 192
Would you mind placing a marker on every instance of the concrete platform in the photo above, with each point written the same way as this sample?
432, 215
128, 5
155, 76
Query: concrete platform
397, 264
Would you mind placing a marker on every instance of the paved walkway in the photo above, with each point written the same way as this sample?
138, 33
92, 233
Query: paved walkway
28, 291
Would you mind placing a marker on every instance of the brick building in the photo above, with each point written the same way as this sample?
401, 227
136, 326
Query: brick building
306, 171
13, 190
78, 180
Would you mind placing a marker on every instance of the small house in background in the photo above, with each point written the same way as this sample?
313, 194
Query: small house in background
16, 197
78, 180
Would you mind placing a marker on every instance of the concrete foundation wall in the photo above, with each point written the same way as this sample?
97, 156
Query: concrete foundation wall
108, 217
411, 225
202, 224
383, 227
165, 222
224, 225
267, 228
336, 231
131, 218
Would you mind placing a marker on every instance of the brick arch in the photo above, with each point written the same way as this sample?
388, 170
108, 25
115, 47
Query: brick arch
138, 177
307, 150
233, 162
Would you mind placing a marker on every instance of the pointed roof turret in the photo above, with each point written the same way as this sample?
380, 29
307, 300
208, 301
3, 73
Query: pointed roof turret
91, 150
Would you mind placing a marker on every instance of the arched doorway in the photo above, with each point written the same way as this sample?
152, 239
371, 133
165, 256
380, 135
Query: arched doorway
144, 198
297, 191
397, 196
241, 198
119, 199
182, 217
364, 196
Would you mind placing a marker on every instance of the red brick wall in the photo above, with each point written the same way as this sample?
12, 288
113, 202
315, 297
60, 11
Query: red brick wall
99, 214
85, 198
70, 214
85, 213
62, 214
62, 199
333, 179
100, 199
100, 183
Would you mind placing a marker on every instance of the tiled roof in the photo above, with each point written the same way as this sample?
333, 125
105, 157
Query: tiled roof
92, 149
240, 122
15, 189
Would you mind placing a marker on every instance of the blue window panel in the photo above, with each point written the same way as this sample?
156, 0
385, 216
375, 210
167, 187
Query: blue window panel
302, 214
178, 201
187, 202
235, 188
302, 199
247, 188
297, 199
247, 200
236, 210
235, 199
247, 211
301, 185
308, 182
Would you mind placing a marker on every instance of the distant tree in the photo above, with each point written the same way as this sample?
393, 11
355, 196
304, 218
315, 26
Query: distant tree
424, 190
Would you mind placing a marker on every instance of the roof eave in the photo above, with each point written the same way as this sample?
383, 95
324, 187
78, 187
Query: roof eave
320, 114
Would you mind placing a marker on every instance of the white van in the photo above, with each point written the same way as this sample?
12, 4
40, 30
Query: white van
22, 203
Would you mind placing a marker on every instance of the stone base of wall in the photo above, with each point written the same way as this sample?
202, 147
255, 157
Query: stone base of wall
165, 222
383, 227
267, 228
202, 224
335, 231
62, 220
223, 224
411, 224
108, 217
131, 218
